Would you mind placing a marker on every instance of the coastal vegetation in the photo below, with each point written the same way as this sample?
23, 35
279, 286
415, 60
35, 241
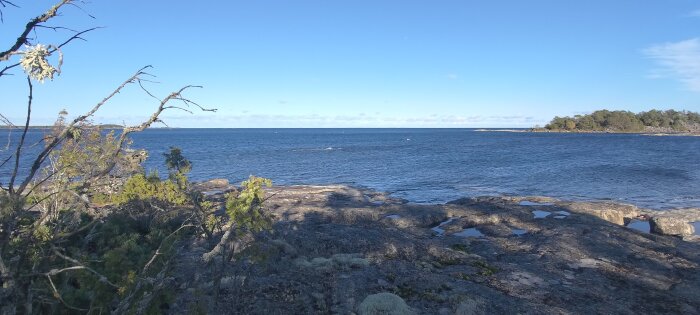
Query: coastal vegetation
656, 121
84, 229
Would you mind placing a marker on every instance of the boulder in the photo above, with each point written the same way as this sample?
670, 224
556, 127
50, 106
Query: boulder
671, 226
217, 182
214, 186
611, 212
384, 304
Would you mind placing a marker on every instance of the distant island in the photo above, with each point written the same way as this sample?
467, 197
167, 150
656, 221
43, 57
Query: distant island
652, 122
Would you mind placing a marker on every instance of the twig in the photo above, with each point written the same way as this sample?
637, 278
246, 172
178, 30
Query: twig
4, 4
21, 140
102, 278
53, 49
157, 253
76, 36
2, 72
60, 137
22, 39
58, 296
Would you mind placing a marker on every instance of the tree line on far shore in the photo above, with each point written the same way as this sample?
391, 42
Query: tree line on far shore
626, 121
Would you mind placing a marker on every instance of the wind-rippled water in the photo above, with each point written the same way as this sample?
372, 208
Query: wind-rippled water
439, 165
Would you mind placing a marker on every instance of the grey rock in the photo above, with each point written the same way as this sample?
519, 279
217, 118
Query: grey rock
611, 212
670, 226
337, 241
384, 304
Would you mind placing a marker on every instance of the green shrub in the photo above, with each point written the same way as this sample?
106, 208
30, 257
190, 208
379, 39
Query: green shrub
140, 187
245, 210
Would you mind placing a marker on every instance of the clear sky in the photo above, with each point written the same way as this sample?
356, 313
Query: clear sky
357, 63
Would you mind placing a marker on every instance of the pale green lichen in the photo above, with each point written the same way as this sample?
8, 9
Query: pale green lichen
35, 63
350, 260
337, 261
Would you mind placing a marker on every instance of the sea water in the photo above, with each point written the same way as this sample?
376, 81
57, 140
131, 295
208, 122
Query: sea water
439, 165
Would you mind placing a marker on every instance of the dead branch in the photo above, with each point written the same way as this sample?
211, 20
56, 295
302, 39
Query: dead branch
10, 126
64, 133
22, 39
58, 296
221, 246
21, 140
53, 49
5, 274
2, 72
4, 4
123, 137
79, 265
158, 252
74, 37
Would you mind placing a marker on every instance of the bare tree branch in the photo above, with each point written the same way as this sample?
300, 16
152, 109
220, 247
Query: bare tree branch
57, 28
81, 9
22, 39
128, 130
57, 295
75, 36
2, 72
61, 136
21, 140
102, 278
4, 4
158, 252
4, 271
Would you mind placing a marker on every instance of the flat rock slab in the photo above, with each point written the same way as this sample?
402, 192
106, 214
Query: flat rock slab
334, 246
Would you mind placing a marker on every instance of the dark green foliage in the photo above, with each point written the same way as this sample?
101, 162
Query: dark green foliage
405, 291
118, 249
178, 166
486, 269
625, 121
460, 248
116, 245
462, 276
176, 162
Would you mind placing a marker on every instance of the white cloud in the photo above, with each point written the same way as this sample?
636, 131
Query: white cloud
680, 60
356, 120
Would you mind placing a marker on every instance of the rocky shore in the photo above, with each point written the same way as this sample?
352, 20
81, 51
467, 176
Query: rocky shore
344, 250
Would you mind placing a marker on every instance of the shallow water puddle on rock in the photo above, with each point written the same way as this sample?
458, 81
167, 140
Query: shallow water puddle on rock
539, 214
393, 216
562, 214
438, 230
519, 232
530, 203
470, 232
639, 225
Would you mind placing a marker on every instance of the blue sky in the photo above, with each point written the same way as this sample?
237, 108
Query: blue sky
369, 63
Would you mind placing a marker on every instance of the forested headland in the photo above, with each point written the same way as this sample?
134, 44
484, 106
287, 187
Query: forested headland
653, 121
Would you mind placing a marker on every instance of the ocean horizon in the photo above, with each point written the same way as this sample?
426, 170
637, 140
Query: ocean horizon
438, 165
